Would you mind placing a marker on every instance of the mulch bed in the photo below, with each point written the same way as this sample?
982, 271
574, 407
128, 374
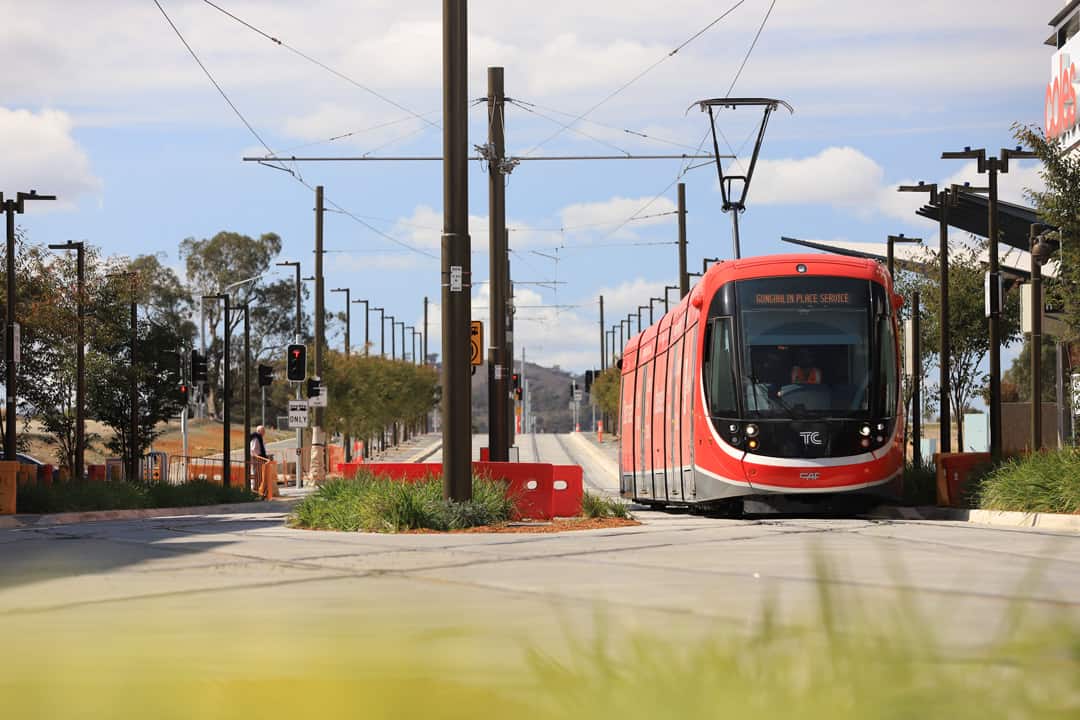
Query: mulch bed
557, 525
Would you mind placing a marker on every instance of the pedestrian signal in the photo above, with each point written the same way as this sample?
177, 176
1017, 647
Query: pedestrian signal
314, 388
296, 362
198, 367
266, 375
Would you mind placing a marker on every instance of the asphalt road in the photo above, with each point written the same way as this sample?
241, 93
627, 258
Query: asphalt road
675, 572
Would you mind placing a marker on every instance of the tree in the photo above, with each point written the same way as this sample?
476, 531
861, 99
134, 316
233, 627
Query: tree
1059, 206
967, 323
162, 296
228, 257
605, 391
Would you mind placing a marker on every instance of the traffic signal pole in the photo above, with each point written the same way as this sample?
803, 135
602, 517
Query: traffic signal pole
318, 441
498, 395
247, 397
456, 269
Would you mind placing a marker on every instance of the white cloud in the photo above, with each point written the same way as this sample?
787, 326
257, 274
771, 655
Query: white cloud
848, 179
40, 153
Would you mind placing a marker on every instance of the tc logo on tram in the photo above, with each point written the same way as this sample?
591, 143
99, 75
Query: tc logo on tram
811, 438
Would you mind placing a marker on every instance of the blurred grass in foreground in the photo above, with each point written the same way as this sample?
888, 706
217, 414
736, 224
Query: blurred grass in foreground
845, 662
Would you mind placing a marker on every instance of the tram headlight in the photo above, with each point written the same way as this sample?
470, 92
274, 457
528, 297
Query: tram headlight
865, 431
752, 444
751, 430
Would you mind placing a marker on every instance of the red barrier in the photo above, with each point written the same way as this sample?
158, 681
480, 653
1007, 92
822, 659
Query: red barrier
485, 454
349, 469
405, 471
95, 473
531, 486
568, 489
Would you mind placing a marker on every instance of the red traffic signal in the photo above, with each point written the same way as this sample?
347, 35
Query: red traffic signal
296, 363
183, 394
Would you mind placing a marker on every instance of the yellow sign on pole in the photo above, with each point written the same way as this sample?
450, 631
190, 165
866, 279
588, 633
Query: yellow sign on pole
476, 338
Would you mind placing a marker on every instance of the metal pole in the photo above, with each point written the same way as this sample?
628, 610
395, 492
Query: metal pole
456, 270
916, 374
299, 431
318, 442
80, 365
1036, 343
393, 337
511, 400
226, 451
498, 397
348, 323
10, 421
684, 279
134, 389
945, 339
425, 329
735, 230
1059, 386
995, 315
247, 397
603, 340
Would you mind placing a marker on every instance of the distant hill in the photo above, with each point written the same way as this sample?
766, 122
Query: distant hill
550, 388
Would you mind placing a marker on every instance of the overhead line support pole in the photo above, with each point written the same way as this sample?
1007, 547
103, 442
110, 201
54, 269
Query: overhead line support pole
498, 396
684, 279
318, 442
456, 268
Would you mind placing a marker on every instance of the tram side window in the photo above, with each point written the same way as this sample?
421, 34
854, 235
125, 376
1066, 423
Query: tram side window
889, 377
719, 368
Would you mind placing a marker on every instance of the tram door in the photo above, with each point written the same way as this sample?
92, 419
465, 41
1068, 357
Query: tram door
659, 437
642, 474
674, 416
689, 392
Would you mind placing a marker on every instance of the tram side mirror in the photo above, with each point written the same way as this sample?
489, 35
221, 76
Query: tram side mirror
618, 364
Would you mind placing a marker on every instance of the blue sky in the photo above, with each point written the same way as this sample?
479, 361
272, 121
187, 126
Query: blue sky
105, 107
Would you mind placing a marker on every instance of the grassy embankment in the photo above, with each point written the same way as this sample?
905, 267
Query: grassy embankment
1042, 482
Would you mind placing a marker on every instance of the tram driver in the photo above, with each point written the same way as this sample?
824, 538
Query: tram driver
805, 370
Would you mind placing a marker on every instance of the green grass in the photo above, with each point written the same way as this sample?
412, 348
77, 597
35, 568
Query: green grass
1042, 482
121, 495
597, 506
374, 504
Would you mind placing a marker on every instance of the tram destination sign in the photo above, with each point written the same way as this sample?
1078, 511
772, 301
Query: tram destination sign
815, 298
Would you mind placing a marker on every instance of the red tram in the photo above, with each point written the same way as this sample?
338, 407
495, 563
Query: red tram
775, 375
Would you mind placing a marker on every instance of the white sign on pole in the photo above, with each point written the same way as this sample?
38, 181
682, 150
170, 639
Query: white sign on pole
577, 395
1075, 378
319, 400
455, 278
909, 346
298, 414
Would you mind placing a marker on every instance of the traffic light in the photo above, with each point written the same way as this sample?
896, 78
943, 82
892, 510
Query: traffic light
184, 394
198, 367
266, 375
515, 380
314, 388
590, 375
296, 361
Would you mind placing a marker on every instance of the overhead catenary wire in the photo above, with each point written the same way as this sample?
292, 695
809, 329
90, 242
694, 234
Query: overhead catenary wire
610, 96
295, 175
321, 64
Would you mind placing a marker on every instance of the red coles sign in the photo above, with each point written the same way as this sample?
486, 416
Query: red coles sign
1061, 98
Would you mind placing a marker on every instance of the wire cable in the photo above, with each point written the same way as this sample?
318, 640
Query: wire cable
746, 58
321, 64
607, 98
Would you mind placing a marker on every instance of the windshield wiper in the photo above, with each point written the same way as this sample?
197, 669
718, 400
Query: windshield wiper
779, 401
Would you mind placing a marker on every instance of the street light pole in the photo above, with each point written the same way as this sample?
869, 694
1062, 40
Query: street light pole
393, 341
382, 330
11, 207
80, 354
992, 166
297, 338
367, 324
943, 200
348, 323
890, 256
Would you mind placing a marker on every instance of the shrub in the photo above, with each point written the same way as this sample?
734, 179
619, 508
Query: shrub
597, 506
1042, 482
122, 495
377, 504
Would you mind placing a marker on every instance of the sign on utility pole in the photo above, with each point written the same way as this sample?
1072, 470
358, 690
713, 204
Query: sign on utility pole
298, 414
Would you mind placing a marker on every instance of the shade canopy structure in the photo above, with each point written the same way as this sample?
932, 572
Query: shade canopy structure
914, 258
972, 214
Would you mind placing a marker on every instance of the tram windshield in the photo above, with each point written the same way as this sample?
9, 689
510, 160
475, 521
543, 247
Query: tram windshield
804, 347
